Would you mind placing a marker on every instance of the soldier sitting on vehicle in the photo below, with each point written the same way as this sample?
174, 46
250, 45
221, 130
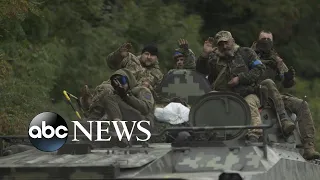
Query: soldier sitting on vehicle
233, 68
144, 67
129, 100
183, 56
284, 78
148, 60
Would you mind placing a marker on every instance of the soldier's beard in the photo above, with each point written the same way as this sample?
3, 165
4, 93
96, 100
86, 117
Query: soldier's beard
226, 52
146, 63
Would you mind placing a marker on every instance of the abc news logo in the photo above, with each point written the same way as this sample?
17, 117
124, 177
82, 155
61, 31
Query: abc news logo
48, 131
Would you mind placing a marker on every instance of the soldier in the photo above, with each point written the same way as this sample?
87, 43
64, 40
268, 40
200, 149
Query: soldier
145, 68
183, 56
268, 80
120, 58
284, 78
150, 71
127, 95
233, 68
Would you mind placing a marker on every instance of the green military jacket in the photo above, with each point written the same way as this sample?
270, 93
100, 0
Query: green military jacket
190, 62
152, 74
139, 97
274, 71
245, 64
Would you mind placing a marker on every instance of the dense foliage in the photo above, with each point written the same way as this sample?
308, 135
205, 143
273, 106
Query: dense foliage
50, 46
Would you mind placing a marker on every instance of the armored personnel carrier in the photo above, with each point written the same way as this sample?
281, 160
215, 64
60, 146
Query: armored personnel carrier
214, 147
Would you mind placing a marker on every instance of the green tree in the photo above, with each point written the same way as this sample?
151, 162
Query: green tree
49, 46
65, 46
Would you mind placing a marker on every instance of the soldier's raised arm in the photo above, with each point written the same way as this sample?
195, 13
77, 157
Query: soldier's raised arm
190, 58
256, 67
202, 63
144, 102
122, 58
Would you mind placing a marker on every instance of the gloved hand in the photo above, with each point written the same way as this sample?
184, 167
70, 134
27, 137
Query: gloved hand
119, 88
121, 92
183, 44
290, 74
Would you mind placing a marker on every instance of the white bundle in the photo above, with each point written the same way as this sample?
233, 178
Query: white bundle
173, 113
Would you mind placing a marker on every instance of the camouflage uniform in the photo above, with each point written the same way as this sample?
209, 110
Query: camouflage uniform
138, 98
151, 74
294, 104
115, 61
287, 125
245, 65
190, 61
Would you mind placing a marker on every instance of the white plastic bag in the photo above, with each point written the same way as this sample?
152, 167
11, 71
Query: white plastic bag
173, 113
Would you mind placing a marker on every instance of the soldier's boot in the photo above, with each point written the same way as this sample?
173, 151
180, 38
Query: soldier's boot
287, 125
85, 98
252, 137
309, 151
